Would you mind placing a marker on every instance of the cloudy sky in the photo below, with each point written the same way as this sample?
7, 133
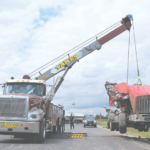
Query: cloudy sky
34, 32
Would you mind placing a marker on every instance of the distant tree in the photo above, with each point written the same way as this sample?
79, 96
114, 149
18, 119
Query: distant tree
102, 117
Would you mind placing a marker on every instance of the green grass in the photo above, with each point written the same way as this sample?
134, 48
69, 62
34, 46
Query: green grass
103, 123
130, 131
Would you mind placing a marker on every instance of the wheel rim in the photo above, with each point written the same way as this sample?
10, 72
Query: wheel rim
44, 132
110, 124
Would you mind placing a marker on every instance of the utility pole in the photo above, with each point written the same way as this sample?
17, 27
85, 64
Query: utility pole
100, 117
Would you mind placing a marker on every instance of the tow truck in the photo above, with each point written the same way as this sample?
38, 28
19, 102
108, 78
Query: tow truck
26, 109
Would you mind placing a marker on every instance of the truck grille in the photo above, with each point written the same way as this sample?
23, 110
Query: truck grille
90, 122
13, 107
143, 104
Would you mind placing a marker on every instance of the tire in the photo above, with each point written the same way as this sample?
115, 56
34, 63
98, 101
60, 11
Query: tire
110, 118
40, 137
63, 125
108, 124
122, 123
112, 126
117, 127
95, 126
146, 128
84, 126
140, 129
60, 128
54, 129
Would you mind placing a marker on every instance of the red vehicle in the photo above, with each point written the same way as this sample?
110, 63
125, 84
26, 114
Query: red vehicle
134, 104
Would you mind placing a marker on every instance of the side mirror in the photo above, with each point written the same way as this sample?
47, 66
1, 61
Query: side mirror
43, 98
2, 85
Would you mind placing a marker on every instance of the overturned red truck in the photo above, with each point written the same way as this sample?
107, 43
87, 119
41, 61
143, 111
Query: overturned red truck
133, 102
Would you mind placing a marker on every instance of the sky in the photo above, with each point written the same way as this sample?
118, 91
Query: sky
33, 33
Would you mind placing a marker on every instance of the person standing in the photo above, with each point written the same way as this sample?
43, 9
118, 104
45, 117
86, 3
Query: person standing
71, 121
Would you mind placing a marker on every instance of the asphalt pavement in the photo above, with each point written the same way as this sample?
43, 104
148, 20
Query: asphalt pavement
95, 139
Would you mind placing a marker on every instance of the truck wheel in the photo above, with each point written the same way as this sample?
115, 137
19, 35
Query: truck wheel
95, 126
63, 127
146, 128
54, 129
140, 129
122, 123
108, 124
117, 127
112, 126
59, 128
40, 137
110, 118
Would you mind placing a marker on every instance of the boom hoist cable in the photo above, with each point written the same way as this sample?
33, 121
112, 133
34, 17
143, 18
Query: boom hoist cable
75, 49
138, 73
128, 56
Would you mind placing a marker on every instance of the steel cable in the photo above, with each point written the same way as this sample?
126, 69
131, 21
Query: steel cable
128, 56
61, 57
74, 49
136, 52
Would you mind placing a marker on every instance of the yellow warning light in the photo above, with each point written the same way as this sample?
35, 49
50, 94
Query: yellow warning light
22, 80
6, 81
39, 81
73, 103
28, 81
17, 80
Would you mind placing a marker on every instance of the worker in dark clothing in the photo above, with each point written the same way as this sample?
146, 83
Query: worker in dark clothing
71, 121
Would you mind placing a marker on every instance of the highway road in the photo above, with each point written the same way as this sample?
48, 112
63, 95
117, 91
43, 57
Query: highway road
96, 139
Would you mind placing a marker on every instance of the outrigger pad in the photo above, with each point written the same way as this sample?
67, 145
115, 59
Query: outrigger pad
78, 135
66, 135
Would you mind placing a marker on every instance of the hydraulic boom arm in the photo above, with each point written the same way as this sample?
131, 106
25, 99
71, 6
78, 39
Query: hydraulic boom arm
96, 45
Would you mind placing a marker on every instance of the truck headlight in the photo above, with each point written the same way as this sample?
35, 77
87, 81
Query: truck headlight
85, 121
94, 121
35, 116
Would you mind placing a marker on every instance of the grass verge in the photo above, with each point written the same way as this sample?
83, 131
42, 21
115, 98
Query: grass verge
130, 131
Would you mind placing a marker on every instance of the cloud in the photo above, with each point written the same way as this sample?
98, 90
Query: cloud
35, 32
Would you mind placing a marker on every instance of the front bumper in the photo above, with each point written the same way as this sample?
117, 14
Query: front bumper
19, 127
139, 118
89, 123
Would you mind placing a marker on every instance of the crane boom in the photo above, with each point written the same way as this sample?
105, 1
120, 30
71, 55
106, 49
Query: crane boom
96, 45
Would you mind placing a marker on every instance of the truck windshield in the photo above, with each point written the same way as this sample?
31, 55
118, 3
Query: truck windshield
90, 117
24, 88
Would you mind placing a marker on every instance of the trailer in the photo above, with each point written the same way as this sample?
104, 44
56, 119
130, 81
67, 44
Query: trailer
78, 118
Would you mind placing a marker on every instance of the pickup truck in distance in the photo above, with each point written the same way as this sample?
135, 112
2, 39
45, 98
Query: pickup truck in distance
90, 121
